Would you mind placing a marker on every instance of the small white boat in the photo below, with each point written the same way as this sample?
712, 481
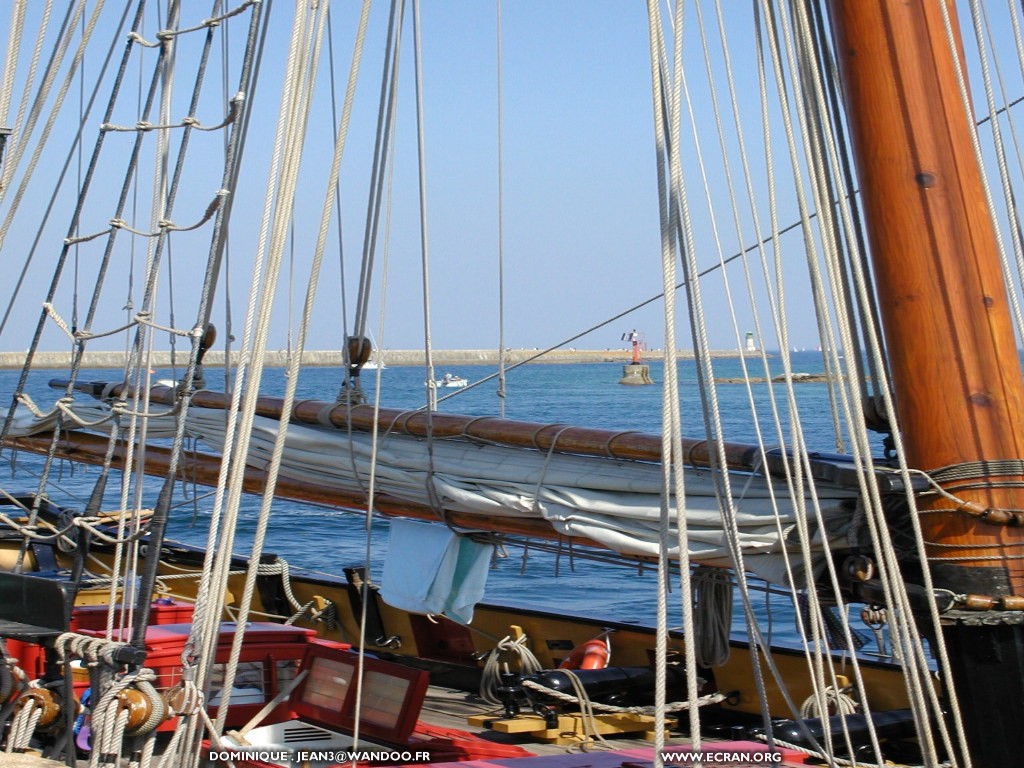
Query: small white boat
452, 381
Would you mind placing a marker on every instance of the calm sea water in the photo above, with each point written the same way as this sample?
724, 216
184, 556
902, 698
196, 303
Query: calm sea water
585, 394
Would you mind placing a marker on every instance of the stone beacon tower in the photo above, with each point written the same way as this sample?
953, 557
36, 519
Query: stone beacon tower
636, 372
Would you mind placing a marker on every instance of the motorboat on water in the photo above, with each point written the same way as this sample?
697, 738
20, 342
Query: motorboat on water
449, 381
452, 381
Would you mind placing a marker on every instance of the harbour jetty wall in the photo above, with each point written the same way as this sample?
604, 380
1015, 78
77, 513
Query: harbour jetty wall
395, 357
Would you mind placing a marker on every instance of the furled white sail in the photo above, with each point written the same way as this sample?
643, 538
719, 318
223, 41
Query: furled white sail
613, 502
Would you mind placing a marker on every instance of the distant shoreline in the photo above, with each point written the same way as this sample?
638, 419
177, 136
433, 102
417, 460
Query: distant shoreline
332, 358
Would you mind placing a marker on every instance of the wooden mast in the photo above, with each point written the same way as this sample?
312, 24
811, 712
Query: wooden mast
955, 369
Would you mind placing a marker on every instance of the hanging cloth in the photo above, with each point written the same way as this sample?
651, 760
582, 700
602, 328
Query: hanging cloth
430, 569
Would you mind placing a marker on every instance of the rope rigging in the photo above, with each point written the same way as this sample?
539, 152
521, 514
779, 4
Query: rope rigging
710, 207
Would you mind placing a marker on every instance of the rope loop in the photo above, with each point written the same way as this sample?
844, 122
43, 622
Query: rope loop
59, 321
490, 679
836, 701
135, 37
608, 449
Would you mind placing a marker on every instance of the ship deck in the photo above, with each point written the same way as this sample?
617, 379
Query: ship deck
450, 708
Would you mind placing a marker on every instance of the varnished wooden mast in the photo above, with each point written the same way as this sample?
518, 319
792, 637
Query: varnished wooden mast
952, 350
955, 370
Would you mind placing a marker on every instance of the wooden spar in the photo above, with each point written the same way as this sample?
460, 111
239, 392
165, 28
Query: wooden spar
626, 445
952, 351
955, 369
203, 469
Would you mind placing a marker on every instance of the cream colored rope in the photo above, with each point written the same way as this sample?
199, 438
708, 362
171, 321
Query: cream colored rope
672, 465
35, 114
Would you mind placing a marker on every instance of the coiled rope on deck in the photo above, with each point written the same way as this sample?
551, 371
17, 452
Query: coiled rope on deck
490, 678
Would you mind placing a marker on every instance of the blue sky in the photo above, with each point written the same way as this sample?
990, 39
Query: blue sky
581, 232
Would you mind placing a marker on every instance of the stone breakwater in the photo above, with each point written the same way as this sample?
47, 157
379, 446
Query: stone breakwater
396, 357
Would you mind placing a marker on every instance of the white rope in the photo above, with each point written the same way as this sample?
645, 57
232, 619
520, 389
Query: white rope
382, 153
923, 695
500, 184
308, 33
588, 720
205, 24
701, 345
13, 158
833, 760
978, 12
678, 706
269, 707
212, 586
835, 702
10, 68
952, 36
712, 619
823, 675
24, 724
19, 131
197, 656
672, 478
820, 669
97, 526
162, 227
193, 122
145, 755
490, 677
428, 346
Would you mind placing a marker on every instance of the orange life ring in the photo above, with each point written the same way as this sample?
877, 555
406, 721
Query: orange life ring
593, 654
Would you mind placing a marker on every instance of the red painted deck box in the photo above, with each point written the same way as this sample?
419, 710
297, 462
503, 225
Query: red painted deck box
86, 618
270, 658
162, 611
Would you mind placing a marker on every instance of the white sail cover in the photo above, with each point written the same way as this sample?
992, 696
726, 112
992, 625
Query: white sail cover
612, 502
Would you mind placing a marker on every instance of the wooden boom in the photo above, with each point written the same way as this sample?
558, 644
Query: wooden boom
626, 445
558, 438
